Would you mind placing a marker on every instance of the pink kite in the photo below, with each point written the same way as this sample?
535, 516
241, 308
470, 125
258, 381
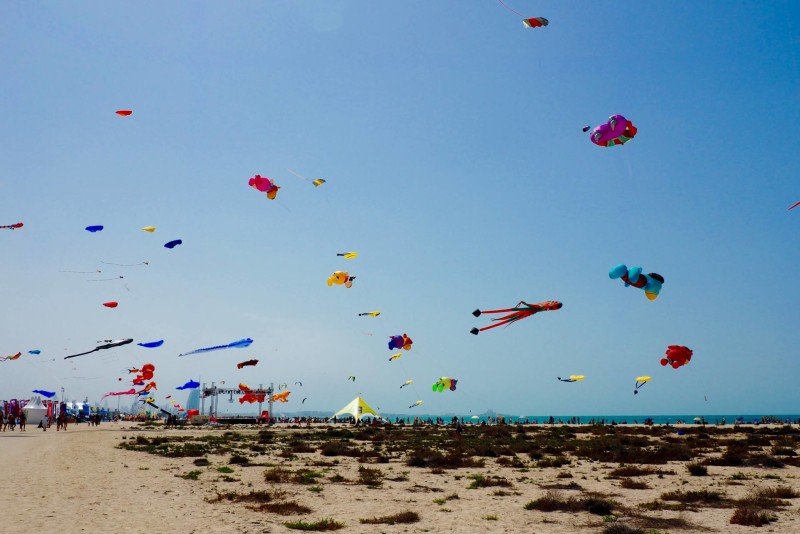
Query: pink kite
118, 393
111, 304
13, 226
265, 185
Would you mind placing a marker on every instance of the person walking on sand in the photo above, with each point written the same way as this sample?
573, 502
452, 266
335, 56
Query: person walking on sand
22, 420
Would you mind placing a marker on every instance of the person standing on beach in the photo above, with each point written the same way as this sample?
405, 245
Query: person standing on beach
12, 421
22, 420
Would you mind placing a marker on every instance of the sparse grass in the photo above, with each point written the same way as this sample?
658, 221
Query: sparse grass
283, 508
370, 476
490, 517
238, 459
696, 469
402, 517
318, 525
552, 501
277, 474
779, 492
200, 462
305, 476
191, 475
224, 469
751, 518
337, 478
622, 528
315, 489
627, 471
629, 483
480, 481
699, 496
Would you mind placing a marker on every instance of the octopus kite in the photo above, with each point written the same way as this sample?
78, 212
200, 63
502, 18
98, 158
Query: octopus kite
617, 131
651, 283
400, 342
677, 356
265, 185
15, 226
521, 311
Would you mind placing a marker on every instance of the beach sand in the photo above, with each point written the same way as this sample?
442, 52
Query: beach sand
81, 481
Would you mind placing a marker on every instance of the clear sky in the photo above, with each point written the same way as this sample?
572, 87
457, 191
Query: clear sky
450, 138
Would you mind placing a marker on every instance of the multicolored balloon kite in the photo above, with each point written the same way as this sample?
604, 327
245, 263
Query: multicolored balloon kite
651, 283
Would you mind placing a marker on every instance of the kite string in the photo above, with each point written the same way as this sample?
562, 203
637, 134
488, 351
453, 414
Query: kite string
511, 10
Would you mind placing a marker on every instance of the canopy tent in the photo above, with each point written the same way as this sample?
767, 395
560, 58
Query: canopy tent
35, 410
358, 408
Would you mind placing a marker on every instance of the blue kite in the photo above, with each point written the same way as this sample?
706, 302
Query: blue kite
191, 384
43, 393
95, 228
151, 344
242, 343
174, 243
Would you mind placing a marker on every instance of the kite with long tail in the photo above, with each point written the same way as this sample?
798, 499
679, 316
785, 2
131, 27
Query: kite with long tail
522, 310
242, 343
108, 344
12, 226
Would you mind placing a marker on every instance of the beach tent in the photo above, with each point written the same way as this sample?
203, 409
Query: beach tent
35, 411
358, 408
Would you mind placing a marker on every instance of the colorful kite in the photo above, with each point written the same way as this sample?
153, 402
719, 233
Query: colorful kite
242, 343
395, 356
535, 22
521, 311
407, 383
43, 393
149, 229
370, 314
246, 363
191, 384
316, 181
640, 381
108, 344
418, 403
281, 397
572, 378
111, 304
124, 112
265, 185
15, 226
443, 383
145, 373
341, 278
96, 228
651, 283
348, 255
400, 342
617, 131
677, 356
118, 393
174, 243
152, 344
12, 357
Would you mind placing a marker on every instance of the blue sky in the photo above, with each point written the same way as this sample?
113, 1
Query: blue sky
450, 138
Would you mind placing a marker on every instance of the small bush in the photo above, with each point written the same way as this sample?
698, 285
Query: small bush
305, 476
629, 483
751, 518
621, 528
402, 517
319, 525
370, 476
200, 462
696, 469
191, 475
549, 502
238, 459
702, 496
480, 481
224, 469
277, 474
490, 517
284, 508
598, 506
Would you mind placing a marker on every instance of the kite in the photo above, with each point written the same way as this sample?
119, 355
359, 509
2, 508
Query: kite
246, 363
123, 264
151, 344
282, 386
281, 397
35, 351
617, 131
298, 383
304, 400
174, 243
93, 229
443, 383
651, 283
111, 304
12, 357
191, 384
400, 342
572, 378
124, 112
145, 373
107, 345
535, 22
644, 380
43, 393
149, 229
341, 278
242, 343
316, 181
407, 383
370, 314
15, 226
677, 356
418, 403
148, 387
348, 255
520, 311
118, 393
105, 279
351, 378
265, 185
793, 206
395, 356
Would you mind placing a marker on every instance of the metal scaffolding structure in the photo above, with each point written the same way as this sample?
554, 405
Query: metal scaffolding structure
213, 392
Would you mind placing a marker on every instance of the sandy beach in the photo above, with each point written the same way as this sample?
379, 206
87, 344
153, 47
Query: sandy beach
82, 481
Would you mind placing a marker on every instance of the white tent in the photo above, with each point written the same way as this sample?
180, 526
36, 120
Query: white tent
358, 408
34, 411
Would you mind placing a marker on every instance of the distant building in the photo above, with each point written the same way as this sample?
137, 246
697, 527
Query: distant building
193, 402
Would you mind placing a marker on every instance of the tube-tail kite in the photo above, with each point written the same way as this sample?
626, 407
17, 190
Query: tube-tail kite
107, 345
124, 112
14, 226
95, 228
35, 351
374, 313
149, 229
316, 181
123, 264
174, 243
43, 393
242, 343
118, 393
152, 344
191, 384
111, 304
395, 356
12, 357
521, 311
407, 383
418, 403
793, 206
246, 363
572, 378
348, 255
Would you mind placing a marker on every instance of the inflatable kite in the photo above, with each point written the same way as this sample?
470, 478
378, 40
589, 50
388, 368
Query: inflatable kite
572, 378
341, 278
12, 357
124, 112
640, 381
677, 356
118, 393
246, 363
418, 403
348, 255
617, 131
152, 344
145, 373
96, 228
351, 378
148, 387
536, 22
316, 181
107, 345
242, 343
149, 229
444, 383
265, 185
370, 314
400, 342
651, 283
191, 384
298, 383
407, 383
395, 356
111, 304
281, 397
521, 311
15, 226
43, 393
174, 243
36, 351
